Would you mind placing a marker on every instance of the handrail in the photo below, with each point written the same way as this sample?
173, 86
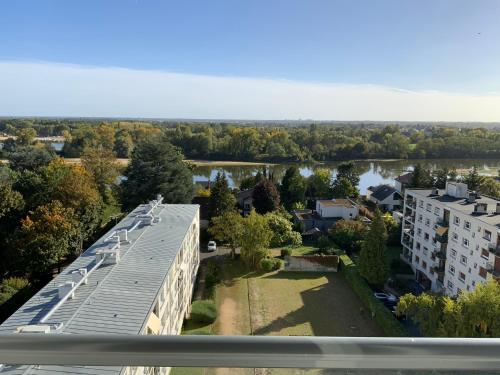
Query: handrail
251, 351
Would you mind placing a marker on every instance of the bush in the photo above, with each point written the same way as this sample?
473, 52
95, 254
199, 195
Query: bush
203, 312
323, 242
285, 252
383, 316
295, 239
267, 264
277, 264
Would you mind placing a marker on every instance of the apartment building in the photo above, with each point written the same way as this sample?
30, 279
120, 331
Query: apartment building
451, 237
136, 279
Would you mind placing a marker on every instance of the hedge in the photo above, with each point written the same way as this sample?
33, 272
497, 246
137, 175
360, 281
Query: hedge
203, 312
384, 318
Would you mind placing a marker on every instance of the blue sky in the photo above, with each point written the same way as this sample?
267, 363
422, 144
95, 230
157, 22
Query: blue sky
448, 46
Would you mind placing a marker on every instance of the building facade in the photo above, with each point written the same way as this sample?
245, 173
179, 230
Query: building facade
451, 237
137, 279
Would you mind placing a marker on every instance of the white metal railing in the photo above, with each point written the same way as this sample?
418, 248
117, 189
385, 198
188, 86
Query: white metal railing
251, 352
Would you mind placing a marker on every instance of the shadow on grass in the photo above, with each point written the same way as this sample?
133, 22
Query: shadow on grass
293, 275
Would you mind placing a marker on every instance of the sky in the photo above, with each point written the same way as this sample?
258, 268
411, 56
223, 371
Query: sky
388, 60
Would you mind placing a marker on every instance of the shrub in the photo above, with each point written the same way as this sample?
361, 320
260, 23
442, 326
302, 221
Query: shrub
295, 239
277, 264
323, 242
383, 316
267, 264
285, 252
203, 312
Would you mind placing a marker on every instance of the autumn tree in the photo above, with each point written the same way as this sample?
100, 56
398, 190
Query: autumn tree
11, 200
222, 198
46, 236
373, 264
30, 158
348, 234
265, 197
25, 136
156, 167
228, 228
102, 165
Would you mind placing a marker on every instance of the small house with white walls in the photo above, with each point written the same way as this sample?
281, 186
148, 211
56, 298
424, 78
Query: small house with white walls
386, 197
136, 279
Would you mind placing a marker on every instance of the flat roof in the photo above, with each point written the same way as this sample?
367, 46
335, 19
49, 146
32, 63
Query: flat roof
337, 202
117, 298
463, 205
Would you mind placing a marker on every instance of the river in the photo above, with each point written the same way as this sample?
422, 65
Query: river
371, 172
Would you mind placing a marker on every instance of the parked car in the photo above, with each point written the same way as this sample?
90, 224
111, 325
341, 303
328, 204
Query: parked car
212, 246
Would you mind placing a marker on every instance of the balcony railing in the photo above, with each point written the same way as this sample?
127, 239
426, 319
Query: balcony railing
462, 354
494, 248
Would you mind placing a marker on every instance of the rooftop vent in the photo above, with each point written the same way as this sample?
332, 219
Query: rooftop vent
480, 208
40, 328
79, 274
456, 189
434, 192
472, 197
66, 288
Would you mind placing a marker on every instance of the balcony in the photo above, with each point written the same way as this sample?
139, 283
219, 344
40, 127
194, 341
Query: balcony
354, 354
494, 248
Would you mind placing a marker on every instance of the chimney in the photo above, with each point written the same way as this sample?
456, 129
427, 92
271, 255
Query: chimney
434, 191
472, 197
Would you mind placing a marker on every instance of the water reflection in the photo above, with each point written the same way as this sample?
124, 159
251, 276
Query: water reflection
371, 172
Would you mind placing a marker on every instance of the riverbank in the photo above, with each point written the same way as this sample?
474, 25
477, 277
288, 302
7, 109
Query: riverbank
225, 163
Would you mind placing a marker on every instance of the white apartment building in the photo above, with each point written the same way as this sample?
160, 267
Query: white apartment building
451, 237
337, 208
136, 279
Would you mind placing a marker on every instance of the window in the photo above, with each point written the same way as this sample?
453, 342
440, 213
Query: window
467, 225
419, 218
421, 204
417, 258
487, 235
424, 265
450, 285
419, 231
436, 211
426, 236
451, 269
455, 236
473, 283
461, 276
465, 242
418, 246
463, 259
428, 222
456, 220
428, 207
425, 250
453, 253
483, 272
485, 254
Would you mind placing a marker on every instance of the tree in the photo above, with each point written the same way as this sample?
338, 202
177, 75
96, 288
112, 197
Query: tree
46, 236
472, 314
255, 239
473, 179
10, 201
490, 187
265, 197
29, 158
348, 234
440, 178
101, 164
373, 258
282, 230
26, 136
343, 188
348, 170
123, 144
319, 184
293, 187
228, 228
156, 167
421, 177
222, 199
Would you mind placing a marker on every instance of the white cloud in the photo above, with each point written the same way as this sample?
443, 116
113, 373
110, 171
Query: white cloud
50, 89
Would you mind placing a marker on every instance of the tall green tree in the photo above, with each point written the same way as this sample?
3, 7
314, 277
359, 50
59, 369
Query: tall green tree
228, 228
349, 171
282, 230
255, 239
440, 177
102, 165
373, 263
124, 144
474, 180
30, 158
421, 177
265, 197
319, 184
348, 234
343, 188
156, 167
293, 187
222, 198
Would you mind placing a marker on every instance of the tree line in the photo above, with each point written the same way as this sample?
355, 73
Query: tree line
270, 142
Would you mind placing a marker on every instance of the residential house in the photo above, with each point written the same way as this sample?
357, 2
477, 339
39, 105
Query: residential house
245, 201
386, 197
403, 181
